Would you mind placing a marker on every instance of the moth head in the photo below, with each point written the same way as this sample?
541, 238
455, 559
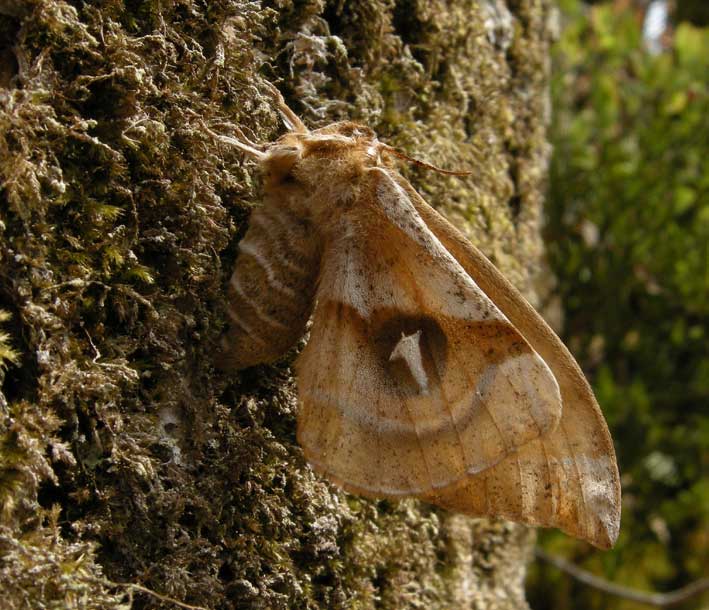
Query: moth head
336, 154
280, 159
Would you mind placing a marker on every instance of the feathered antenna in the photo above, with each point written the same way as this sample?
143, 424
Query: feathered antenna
241, 141
391, 150
290, 118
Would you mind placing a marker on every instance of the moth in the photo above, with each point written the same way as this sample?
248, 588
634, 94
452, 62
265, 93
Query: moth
426, 374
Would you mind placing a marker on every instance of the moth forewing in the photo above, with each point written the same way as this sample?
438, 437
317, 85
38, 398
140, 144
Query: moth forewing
569, 478
426, 373
412, 378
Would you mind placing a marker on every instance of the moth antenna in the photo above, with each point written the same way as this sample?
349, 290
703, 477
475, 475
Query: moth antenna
241, 142
391, 150
290, 118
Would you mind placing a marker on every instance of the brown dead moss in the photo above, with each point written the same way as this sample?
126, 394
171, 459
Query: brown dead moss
122, 451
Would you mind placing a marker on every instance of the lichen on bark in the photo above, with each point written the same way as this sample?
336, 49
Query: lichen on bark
124, 455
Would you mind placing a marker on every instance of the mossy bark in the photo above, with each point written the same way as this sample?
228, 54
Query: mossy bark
124, 455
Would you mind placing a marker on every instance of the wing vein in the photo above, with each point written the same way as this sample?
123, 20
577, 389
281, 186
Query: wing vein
553, 494
578, 475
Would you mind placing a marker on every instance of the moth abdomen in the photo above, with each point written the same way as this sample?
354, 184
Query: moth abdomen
270, 293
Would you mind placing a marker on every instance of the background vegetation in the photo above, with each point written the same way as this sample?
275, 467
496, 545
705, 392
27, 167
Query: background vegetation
628, 231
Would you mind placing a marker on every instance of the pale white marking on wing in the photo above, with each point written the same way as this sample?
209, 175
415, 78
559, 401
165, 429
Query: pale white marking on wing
350, 276
596, 502
268, 225
596, 494
234, 317
286, 225
236, 285
408, 349
253, 251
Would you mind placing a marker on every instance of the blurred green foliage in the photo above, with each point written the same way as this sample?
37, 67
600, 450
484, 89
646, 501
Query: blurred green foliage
628, 238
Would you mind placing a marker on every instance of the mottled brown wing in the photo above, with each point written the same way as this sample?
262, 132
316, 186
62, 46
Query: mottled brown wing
412, 379
569, 478
270, 294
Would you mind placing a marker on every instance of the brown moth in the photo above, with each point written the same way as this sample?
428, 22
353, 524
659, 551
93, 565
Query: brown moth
427, 374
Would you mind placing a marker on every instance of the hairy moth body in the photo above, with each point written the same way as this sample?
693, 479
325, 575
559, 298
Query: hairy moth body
426, 373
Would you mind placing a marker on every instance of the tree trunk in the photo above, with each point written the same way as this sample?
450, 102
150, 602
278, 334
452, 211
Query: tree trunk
125, 457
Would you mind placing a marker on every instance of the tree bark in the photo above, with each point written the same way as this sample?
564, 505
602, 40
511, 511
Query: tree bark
125, 457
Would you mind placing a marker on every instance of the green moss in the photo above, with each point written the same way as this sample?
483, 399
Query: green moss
41, 569
7, 354
119, 212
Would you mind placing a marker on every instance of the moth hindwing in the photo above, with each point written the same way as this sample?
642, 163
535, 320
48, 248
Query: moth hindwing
426, 373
